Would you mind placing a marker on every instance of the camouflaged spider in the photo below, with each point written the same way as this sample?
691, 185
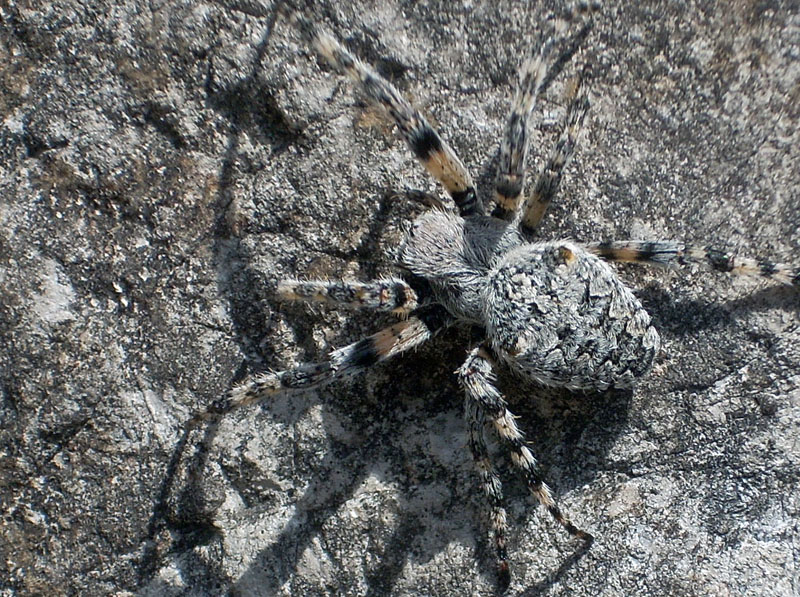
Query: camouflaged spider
553, 312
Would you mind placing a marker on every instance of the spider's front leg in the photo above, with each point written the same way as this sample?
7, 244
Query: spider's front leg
435, 154
484, 401
544, 190
533, 76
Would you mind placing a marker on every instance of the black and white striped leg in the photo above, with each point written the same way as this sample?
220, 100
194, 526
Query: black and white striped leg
477, 378
510, 177
391, 295
665, 252
378, 347
543, 192
492, 486
435, 154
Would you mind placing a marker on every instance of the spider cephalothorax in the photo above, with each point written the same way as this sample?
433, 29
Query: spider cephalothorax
553, 312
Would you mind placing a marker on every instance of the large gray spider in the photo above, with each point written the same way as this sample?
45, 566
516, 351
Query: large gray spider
553, 312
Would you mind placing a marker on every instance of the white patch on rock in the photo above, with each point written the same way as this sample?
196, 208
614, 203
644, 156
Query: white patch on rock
53, 304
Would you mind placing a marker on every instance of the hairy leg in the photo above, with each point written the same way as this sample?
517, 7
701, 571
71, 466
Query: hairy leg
664, 252
543, 192
378, 347
510, 177
493, 488
477, 378
390, 295
435, 154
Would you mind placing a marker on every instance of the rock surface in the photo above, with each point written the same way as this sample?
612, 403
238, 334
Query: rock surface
163, 164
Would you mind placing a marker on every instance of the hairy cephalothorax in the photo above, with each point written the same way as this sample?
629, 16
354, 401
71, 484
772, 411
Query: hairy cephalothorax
553, 312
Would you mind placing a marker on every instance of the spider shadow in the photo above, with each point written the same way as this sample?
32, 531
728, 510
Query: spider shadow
573, 430
772, 297
677, 317
179, 508
556, 575
187, 501
342, 470
182, 510
570, 434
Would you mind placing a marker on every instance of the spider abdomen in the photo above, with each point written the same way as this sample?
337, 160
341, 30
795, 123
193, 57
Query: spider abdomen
562, 317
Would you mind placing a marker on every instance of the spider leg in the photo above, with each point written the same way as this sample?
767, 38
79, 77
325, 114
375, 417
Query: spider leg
350, 359
674, 253
511, 167
538, 199
476, 376
510, 177
389, 295
492, 486
435, 154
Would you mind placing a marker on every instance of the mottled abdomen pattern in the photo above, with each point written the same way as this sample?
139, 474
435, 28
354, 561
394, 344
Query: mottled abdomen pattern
561, 316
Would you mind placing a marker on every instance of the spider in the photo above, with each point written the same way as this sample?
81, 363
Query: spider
553, 312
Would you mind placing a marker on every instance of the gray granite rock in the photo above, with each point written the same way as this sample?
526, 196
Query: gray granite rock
164, 163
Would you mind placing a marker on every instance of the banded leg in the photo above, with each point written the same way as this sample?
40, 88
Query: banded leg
511, 167
388, 342
679, 254
434, 153
538, 200
477, 378
492, 486
510, 176
391, 295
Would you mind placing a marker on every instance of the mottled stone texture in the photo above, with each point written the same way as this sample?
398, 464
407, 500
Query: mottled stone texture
164, 163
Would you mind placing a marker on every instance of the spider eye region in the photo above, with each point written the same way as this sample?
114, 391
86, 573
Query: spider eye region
562, 317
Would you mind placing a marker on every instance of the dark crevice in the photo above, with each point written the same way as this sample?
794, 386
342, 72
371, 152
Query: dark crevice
159, 117
35, 146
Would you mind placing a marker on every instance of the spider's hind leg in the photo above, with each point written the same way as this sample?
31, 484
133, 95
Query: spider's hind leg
476, 376
492, 486
388, 342
665, 252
